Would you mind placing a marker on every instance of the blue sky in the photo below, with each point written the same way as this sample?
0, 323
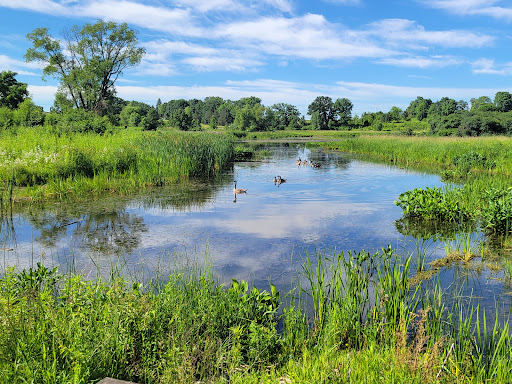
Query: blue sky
377, 53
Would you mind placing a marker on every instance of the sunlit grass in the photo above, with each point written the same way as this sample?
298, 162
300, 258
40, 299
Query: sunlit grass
367, 325
41, 164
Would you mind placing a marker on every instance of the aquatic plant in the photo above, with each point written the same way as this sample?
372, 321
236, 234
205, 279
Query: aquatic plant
433, 203
496, 211
463, 247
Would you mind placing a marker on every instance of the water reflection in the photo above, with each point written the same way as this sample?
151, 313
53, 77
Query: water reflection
344, 205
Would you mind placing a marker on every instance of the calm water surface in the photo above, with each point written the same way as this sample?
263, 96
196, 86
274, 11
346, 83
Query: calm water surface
346, 205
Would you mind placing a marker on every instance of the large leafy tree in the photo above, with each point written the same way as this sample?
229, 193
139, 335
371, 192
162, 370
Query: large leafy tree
12, 92
323, 106
89, 61
503, 101
342, 109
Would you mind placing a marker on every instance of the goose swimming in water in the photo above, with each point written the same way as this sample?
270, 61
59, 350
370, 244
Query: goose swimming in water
238, 190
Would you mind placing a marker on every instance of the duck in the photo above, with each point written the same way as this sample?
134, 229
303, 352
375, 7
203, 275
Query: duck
275, 180
280, 180
299, 161
317, 165
305, 162
238, 190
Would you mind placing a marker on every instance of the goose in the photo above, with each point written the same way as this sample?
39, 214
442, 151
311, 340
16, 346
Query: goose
238, 190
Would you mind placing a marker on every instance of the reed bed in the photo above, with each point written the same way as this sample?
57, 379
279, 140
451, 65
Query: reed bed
436, 152
42, 164
365, 324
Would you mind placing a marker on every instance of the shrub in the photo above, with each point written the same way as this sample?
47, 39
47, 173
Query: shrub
79, 120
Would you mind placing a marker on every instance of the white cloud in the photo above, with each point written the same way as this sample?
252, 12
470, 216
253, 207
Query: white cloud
172, 20
237, 64
209, 5
310, 36
472, 7
400, 31
343, 2
488, 67
43, 95
175, 21
201, 58
9, 64
44, 6
422, 62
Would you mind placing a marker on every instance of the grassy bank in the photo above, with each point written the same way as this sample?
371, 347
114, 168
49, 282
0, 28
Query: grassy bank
39, 164
364, 325
439, 153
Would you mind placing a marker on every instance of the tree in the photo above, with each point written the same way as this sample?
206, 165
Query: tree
181, 120
418, 108
150, 121
503, 101
92, 59
324, 107
342, 111
477, 103
12, 92
395, 114
210, 106
284, 115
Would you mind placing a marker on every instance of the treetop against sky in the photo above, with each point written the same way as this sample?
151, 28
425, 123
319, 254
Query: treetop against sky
378, 54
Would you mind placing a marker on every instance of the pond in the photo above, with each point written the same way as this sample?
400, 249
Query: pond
344, 205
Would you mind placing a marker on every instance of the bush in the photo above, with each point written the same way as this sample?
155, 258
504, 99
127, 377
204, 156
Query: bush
81, 121
28, 114
6, 117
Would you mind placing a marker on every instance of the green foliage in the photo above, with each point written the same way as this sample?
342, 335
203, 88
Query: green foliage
151, 120
433, 203
12, 92
503, 101
81, 121
496, 211
76, 164
6, 117
181, 120
90, 62
28, 114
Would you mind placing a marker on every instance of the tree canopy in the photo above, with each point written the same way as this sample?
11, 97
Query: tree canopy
12, 92
89, 62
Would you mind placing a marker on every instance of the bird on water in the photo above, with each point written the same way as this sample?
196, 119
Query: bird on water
238, 190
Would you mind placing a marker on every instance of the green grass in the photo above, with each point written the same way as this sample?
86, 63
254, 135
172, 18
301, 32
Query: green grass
366, 325
436, 152
40, 164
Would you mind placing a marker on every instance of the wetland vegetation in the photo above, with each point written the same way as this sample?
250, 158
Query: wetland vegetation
351, 317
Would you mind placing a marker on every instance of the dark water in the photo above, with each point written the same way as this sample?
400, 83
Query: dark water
344, 205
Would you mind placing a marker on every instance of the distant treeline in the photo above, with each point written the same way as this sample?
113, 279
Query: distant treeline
450, 117
444, 117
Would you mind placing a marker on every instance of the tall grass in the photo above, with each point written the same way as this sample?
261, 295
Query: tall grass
367, 325
436, 152
51, 165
